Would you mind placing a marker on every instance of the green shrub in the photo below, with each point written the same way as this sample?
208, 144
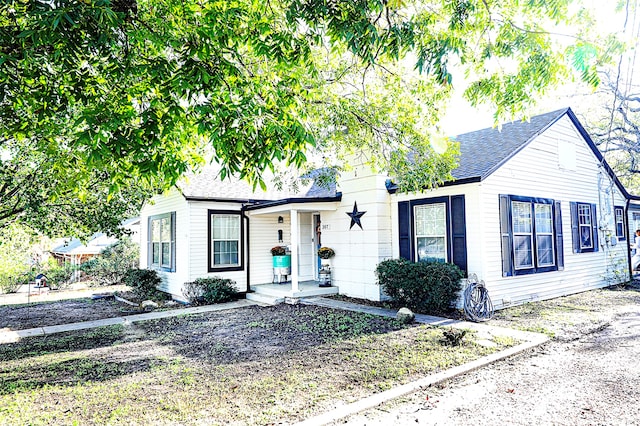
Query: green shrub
144, 284
17, 256
111, 266
426, 287
59, 277
205, 291
11, 283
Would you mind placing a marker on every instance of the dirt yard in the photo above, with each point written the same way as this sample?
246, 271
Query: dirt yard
283, 364
20, 317
249, 366
588, 374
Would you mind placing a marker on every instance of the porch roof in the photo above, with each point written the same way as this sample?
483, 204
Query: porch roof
299, 204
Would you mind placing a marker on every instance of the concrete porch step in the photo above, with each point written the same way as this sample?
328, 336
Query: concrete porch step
305, 289
265, 298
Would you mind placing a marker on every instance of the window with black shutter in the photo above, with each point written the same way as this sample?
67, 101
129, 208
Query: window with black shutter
584, 227
433, 229
531, 235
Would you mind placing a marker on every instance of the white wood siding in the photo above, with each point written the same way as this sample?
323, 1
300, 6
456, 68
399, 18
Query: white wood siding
473, 221
172, 201
536, 172
263, 231
358, 251
198, 254
633, 220
192, 241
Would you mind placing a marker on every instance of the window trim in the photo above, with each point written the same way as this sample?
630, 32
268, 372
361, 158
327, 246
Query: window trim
171, 267
421, 202
529, 235
241, 243
575, 227
545, 234
507, 232
445, 235
623, 235
456, 228
584, 212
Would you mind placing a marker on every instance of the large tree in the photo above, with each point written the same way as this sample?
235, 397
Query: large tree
614, 123
122, 93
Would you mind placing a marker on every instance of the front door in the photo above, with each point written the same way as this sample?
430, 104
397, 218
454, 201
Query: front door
306, 251
317, 242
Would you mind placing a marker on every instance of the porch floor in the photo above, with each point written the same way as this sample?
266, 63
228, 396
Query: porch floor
305, 289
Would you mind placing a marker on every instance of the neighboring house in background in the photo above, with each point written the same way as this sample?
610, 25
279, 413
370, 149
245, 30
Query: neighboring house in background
74, 252
534, 211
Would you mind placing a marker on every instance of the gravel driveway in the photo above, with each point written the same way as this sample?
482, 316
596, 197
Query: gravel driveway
589, 374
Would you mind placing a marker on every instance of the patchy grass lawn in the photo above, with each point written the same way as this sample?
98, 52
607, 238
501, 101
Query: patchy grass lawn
253, 365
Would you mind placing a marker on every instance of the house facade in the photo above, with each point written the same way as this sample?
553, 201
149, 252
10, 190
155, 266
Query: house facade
534, 211
72, 251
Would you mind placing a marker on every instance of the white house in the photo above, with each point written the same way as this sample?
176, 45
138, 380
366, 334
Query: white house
74, 252
534, 211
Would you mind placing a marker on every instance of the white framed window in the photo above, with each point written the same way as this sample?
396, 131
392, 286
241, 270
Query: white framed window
161, 241
433, 229
544, 235
620, 231
531, 231
431, 232
522, 234
635, 217
225, 243
585, 226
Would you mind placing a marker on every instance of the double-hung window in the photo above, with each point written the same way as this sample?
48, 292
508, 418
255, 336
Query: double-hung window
531, 230
434, 230
225, 242
620, 229
431, 232
161, 241
584, 227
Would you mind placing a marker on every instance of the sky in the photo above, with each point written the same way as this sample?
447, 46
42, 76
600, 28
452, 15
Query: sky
461, 117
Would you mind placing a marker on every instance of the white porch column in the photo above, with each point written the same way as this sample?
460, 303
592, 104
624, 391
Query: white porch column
295, 238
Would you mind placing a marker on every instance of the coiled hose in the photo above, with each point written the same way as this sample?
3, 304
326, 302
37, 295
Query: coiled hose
477, 303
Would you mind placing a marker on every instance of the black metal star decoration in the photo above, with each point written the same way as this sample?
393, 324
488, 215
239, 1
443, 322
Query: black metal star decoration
355, 216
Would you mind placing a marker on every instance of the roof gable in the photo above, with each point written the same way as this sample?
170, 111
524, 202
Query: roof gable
483, 151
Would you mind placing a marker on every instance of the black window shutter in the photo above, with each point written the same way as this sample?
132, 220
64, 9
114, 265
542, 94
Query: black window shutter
149, 247
594, 223
404, 229
575, 233
173, 241
559, 239
459, 232
505, 232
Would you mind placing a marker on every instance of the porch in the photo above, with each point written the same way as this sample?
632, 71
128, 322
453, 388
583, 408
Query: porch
276, 293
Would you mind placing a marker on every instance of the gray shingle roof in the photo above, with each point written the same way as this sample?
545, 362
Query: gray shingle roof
96, 244
208, 185
483, 151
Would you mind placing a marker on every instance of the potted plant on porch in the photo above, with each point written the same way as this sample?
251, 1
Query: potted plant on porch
281, 263
325, 254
